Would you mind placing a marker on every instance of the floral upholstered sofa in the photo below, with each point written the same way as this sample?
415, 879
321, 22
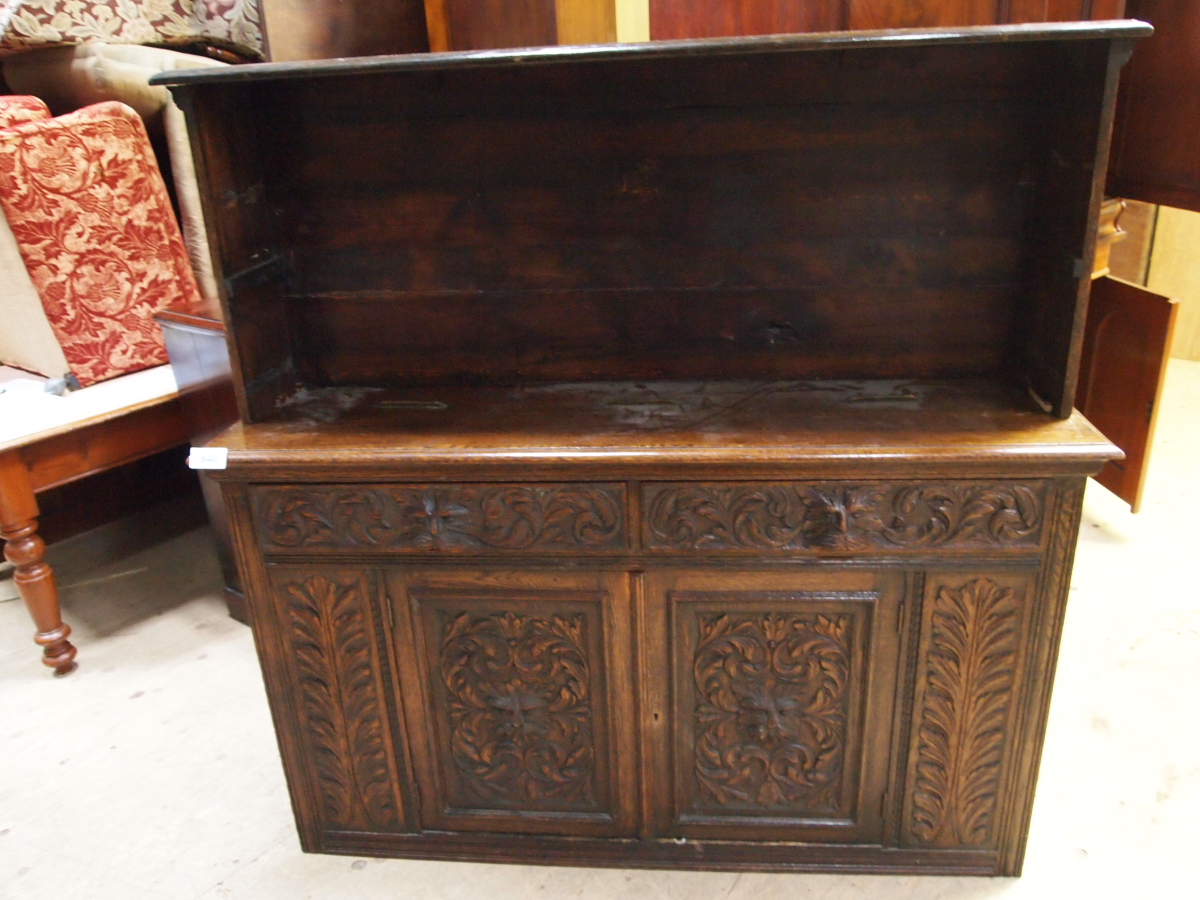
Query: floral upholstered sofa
234, 26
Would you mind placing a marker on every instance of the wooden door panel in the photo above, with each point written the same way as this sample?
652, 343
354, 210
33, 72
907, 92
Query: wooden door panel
866, 14
1156, 136
781, 698
1126, 343
517, 684
485, 24
671, 19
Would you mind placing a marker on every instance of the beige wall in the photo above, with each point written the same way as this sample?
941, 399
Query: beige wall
1175, 272
633, 20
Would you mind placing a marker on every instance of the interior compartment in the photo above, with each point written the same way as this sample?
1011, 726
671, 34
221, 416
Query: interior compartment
833, 213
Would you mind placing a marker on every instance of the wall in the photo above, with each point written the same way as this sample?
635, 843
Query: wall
1175, 271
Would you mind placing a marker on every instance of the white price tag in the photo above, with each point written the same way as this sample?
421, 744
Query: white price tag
208, 458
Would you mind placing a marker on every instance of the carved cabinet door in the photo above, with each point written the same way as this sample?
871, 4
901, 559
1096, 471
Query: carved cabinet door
517, 687
774, 722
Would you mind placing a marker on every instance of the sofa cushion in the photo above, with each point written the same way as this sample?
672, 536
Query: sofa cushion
232, 24
70, 77
91, 216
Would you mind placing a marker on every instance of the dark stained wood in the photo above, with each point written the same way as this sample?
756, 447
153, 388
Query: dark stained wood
762, 637
1156, 157
1126, 346
525, 724
534, 431
634, 440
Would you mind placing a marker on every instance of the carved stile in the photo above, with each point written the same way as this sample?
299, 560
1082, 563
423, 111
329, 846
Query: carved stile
330, 638
964, 712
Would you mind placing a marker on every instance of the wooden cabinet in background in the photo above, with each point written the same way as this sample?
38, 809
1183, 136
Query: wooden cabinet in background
485, 24
719, 18
662, 455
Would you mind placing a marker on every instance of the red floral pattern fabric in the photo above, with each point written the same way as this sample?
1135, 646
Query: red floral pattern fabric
95, 227
17, 109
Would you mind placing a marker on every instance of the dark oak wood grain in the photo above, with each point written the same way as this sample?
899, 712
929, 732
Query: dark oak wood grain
664, 456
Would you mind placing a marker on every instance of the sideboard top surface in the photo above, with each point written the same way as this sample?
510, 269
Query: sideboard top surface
882, 428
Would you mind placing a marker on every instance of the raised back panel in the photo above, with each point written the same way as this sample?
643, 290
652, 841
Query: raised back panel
713, 210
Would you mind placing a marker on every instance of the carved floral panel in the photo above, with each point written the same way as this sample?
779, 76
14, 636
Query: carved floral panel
330, 639
963, 713
456, 517
801, 516
519, 710
771, 710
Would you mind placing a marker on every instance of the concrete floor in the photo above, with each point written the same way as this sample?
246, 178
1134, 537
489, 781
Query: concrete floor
152, 771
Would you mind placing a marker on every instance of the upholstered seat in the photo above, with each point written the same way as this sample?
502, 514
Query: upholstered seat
94, 229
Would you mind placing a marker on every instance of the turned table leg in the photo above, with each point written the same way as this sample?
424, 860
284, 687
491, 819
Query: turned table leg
34, 577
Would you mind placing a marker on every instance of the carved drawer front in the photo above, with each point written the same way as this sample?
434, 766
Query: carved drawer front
967, 688
517, 681
458, 518
337, 695
782, 691
764, 517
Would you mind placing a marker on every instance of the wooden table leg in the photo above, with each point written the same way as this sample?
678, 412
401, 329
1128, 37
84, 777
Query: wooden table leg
34, 577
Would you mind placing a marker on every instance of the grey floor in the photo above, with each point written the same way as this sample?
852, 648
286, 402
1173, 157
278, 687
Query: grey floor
152, 771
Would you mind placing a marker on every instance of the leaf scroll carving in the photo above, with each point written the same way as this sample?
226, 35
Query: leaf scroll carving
807, 516
520, 710
464, 517
339, 696
964, 713
772, 696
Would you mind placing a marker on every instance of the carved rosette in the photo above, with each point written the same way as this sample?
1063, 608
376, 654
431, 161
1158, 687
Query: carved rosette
771, 708
520, 710
963, 714
798, 516
339, 697
481, 517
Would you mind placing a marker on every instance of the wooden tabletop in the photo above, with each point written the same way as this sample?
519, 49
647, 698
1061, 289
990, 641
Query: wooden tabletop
50, 416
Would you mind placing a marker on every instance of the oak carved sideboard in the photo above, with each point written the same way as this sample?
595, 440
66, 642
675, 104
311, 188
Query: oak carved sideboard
663, 455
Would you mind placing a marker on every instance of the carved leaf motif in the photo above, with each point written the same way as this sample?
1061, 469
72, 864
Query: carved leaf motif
443, 517
801, 516
772, 695
340, 700
520, 710
969, 684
